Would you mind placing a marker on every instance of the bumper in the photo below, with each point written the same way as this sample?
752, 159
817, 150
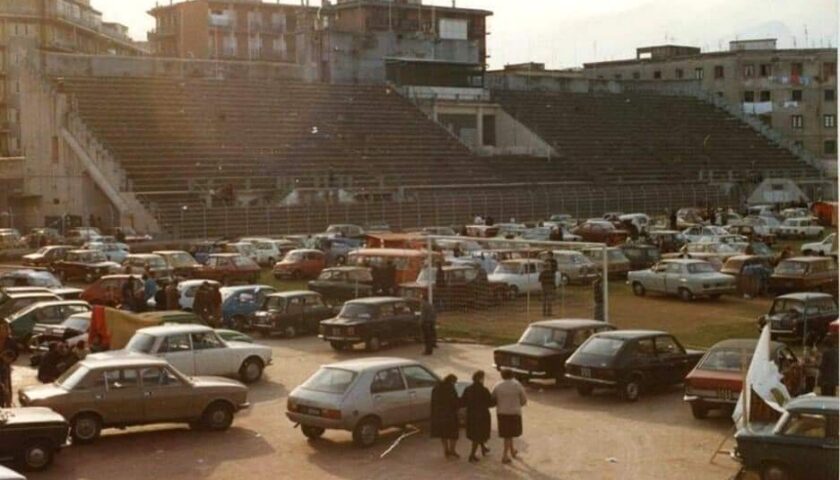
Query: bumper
313, 421
716, 290
522, 372
591, 381
708, 400
243, 406
330, 338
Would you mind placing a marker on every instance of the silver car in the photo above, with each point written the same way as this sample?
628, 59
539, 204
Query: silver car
687, 278
574, 267
363, 396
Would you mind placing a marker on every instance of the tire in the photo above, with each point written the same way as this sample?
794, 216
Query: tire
251, 370
338, 346
217, 417
631, 390
774, 472
373, 344
366, 432
686, 295
639, 289
85, 428
312, 433
37, 455
290, 331
699, 411
584, 390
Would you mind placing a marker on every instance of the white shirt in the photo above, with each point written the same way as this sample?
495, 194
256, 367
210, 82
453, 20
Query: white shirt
510, 397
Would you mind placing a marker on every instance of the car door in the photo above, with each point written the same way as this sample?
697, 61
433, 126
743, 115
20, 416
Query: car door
121, 402
407, 322
212, 356
673, 364
386, 325
808, 440
389, 397
314, 311
420, 383
643, 359
166, 397
671, 277
177, 350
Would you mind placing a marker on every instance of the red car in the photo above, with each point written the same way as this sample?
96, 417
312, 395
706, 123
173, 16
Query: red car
716, 381
108, 289
228, 268
301, 263
600, 231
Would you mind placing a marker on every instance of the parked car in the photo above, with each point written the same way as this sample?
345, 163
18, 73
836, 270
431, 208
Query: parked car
291, 313
754, 232
686, 278
10, 238
373, 321
739, 264
805, 274
180, 263
339, 284
70, 331
668, 241
798, 212
245, 249
228, 268
695, 233
130, 235
148, 262
600, 231
45, 257
38, 278
346, 231
825, 247
42, 236
802, 444
639, 221
543, 349
108, 289
463, 286
239, 304
717, 380
521, 276
407, 262
807, 227
81, 235
87, 265
618, 265
337, 249
116, 390
363, 396
23, 321
716, 253
198, 350
114, 252
796, 314
629, 361
300, 263
31, 436
14, 302
201, 251
266, 250
640, 255
574, 267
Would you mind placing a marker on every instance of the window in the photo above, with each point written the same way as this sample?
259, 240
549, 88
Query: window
828, 95
809, 425
667, 346
749, 96
749, 71
389, 380
829, 121
718, 71
175, 344
418, 377
644, 348
679, 73
795, 69
206, 341
829, 70
764, 96
830, 147
699, 73
451, 29
657, 74
798, 144
796, 95
279, 45
765, 70
636, 75
120, 379
796, 121
159, 377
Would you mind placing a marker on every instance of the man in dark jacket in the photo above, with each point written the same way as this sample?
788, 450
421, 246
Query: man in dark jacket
478, 401
598, 297
549, 288
8, 355
443, 421
829, 369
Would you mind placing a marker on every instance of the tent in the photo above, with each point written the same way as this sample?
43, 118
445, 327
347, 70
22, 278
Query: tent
775, 191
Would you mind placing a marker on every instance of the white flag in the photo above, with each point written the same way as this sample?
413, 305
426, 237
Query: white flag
763, 378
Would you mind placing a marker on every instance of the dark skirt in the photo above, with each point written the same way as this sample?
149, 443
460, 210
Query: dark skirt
446, 426
510, 426
478, 425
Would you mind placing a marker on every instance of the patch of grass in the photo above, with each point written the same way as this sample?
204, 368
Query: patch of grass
707, 335
267, 278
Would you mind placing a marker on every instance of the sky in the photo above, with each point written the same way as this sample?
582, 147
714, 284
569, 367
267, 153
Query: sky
567, 33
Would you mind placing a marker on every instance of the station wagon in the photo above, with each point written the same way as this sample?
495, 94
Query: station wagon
805, 274
797, 314
291, 313
371, 321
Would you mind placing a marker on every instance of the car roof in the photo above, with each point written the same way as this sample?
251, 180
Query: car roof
807, 259
305, 250
804, 296
243, 288
806, 402
363, 364
523, 260
143, 255
376, 300
31, 295
121, 276
292, 293
632, 334
743, 343
685, 261
568, 323
50, 303
345, 269
390, 252
27, 272
196, 281
119, 358
228, 255
174, 329
168, 252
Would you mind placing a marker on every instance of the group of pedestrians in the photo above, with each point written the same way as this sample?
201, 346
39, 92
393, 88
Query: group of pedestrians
59, 358
507, 396
208, 304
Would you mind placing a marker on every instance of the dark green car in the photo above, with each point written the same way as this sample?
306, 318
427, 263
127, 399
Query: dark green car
801, 445
291, 313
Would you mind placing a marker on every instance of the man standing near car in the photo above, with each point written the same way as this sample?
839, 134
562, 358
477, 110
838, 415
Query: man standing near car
549, 287
172, 296
428, 325
598, 297
828, 368
8, 355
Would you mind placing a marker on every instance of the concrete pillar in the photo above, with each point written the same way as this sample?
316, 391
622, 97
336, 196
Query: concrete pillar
479, 126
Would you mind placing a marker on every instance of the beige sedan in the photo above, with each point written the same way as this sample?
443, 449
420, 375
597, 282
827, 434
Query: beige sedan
119, 390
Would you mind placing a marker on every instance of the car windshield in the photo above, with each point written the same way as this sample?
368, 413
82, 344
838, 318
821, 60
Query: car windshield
616, 255
43, 250
792, 268
181, 260
69, 379
141, 343
794, 306
761, 249
700, 268
602, 346
294, 256
544, 337
330, 380
274, 303
512, 268
727, 360
356, 311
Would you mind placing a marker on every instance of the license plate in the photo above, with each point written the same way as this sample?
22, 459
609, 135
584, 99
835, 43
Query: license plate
313, 411
514, 361
585, 372
725, 394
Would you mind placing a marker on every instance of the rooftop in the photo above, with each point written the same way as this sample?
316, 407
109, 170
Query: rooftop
363, 364
568, 323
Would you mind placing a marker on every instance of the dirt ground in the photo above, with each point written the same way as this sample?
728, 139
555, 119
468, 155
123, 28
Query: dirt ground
566, 436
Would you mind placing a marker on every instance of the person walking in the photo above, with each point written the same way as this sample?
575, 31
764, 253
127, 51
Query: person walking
201, 300
598, 297
444, 416
478, 401
172, 296
428, 325
509, 396
160, 298
128, 298
8, 355
549, 287
390, 278
150, 286
48, 369
215, 305
829, 368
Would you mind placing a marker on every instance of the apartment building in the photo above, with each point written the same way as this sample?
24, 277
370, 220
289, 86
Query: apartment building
30, 26
792, 90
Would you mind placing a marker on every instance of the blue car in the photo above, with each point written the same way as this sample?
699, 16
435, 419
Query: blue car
239, 304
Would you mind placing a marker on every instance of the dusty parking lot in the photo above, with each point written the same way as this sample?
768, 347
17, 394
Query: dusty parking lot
565, 436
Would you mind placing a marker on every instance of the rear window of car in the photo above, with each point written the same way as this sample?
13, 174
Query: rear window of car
603, 346
358, 311
330, 380
141, 343
726, 360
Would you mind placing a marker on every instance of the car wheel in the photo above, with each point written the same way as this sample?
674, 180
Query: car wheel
85, 428
338, 346
290, 331
373, 344
774, 472
699, 410
639, 289
217, 417
251, 370
37, 455
366, 432
584, 390
808, 253
311, 432
686, 295
631, 389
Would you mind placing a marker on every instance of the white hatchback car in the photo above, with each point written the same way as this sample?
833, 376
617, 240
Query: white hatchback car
198, 350
520, 275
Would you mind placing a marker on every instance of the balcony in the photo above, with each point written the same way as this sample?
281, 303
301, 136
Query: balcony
221, 21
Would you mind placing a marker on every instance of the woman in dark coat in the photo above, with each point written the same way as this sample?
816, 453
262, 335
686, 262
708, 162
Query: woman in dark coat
444, 417
478, 401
